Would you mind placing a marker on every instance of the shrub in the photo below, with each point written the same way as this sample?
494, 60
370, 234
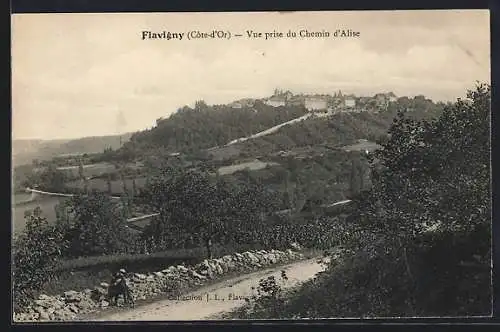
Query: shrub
98, 227
35, 253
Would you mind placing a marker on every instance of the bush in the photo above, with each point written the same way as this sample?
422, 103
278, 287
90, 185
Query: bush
268, 300
98, 226
35, 253
422, 233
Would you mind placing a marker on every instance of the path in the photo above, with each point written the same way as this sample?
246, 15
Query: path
222, 297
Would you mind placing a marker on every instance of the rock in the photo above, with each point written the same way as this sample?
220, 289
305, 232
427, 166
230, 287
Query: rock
39, 310
251, 257
170, 269
24, 317
73, 308
72, 296
145, 285
64, 314
57, 304
98, 293
230, 265
140, 276
42, 303
182, 269
197, 275
204, 267
86, 304
272, 258
227, 258
44, 316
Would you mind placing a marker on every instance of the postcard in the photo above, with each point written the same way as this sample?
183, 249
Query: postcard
251, 165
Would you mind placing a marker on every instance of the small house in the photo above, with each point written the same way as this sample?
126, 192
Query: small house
275, 101
350, 102
316, 103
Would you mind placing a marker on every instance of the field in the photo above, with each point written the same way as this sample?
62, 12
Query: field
224, 152
362, 145
47, 204
89, 170
101, 184
252, 165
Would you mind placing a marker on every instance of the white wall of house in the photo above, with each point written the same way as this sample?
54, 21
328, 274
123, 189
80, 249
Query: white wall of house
275, 103
315, 104
350, 103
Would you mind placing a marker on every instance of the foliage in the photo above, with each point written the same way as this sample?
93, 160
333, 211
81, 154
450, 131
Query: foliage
49, 179
422, 234
431, 185
270, 295
197, 207
190, 130
97, 226
335, 130
432, 172
35, 253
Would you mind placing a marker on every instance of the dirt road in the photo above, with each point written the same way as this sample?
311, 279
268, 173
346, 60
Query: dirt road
211, 301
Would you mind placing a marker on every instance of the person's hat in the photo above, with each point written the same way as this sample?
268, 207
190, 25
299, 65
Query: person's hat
122, 270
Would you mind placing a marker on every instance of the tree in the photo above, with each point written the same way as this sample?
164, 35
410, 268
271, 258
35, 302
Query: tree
212, 209
108, 184
98, 226
35, 253
83, 178
49, 179
430, 174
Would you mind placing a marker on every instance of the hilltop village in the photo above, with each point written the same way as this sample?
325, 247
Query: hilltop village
338, 102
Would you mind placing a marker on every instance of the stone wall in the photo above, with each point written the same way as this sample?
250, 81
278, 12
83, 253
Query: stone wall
172, 281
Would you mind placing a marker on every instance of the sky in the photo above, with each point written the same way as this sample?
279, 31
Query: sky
76, 75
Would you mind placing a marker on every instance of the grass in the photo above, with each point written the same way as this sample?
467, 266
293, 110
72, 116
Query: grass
88, 272
252, 165
190, 287
362, 145
225, 152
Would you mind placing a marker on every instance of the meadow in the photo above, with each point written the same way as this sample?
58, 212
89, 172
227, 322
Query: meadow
90, 170
362, 145
252, 166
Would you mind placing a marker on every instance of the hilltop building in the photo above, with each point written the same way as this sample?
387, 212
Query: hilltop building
275, 101
316, 103
392, 97
381, 101
296, 101
246, 102
350, 102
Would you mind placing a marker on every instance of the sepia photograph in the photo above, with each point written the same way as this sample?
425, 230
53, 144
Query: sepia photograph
251, 166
